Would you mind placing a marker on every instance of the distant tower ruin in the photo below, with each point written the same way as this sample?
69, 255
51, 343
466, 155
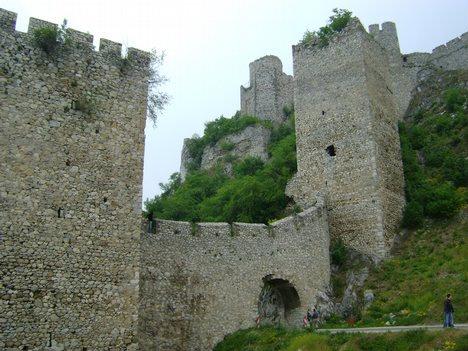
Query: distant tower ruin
269, 91
347, 139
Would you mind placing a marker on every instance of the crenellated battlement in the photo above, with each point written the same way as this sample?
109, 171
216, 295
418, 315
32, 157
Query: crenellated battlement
285, 226
80, 41
71, 148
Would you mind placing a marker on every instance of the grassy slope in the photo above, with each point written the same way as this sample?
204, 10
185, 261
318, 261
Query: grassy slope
271, 339
412, 285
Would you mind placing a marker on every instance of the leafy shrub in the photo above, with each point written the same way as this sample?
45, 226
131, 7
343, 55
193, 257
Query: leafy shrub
249, 166
336, 23
413, 215
255, 194
338, 252
50, 38
453, 99
435, 159
227, 146
215, 131
444, 201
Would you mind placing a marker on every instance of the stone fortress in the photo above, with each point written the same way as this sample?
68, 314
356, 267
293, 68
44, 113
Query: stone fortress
77, 270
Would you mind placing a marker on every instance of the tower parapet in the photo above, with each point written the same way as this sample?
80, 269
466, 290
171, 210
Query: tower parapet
71, 148
269, 91
347, 138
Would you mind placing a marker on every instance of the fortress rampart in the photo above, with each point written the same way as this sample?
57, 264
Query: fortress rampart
71, 149
202, 281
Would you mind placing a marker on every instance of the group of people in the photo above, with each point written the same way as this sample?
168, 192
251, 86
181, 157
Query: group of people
312, 317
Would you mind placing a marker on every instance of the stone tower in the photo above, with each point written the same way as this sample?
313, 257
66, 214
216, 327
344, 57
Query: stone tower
347, 138
269, 91
71, 149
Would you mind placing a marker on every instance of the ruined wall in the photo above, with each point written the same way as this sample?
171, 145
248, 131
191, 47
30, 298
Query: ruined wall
201, 282
347, 138
408, 69
269, 91
71, 150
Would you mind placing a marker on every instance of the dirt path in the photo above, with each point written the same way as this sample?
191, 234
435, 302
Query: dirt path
393, 329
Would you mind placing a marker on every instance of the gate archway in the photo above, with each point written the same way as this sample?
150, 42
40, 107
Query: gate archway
278, 302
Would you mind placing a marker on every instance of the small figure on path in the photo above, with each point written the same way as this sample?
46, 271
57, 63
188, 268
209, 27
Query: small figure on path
315, 318
448, 312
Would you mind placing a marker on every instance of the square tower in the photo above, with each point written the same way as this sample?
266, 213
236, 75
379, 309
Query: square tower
347, 138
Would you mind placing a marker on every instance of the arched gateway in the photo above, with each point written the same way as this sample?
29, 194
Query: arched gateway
201, 282
279, 302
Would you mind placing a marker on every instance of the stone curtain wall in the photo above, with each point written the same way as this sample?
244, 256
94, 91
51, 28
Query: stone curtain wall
202, 281
70, 192
269, 91
406, 70
346, 127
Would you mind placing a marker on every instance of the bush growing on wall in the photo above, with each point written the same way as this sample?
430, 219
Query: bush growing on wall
336, 23
50, 38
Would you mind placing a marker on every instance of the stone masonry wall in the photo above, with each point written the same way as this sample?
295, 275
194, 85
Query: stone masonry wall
71, 149
407, 69
346, 129
269, 91
202, 281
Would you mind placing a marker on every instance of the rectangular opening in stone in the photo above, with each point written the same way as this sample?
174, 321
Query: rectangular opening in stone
331, 150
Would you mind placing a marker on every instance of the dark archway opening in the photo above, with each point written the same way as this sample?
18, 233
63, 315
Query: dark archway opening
278, 303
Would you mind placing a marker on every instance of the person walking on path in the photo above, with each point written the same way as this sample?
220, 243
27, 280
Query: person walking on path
448, 312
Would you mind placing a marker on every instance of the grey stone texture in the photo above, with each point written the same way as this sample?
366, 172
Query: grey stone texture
70, 192
407, 69
202, 281
185, 160
250, 142
347, 138
269, 91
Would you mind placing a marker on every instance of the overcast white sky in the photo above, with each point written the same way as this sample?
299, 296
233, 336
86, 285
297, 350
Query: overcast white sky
209, 45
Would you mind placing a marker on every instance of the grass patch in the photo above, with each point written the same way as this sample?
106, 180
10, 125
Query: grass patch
270, 339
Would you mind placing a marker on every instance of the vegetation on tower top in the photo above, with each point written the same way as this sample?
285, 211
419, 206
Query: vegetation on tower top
336, 23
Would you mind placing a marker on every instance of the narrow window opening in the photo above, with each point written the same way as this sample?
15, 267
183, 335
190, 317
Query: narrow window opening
105, 199
61, 213
323, 113
50, 340
331, 150
97, 130
405, 59
67, 163
84, 349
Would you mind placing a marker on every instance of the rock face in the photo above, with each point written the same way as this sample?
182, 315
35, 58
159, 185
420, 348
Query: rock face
185, 160
251, 142
71, 149
200, 282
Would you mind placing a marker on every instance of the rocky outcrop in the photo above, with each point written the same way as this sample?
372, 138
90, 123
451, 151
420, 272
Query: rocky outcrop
252, 141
